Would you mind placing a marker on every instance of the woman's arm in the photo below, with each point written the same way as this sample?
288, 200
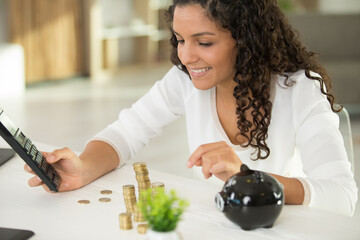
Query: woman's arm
293, 189
99, 158
219, 159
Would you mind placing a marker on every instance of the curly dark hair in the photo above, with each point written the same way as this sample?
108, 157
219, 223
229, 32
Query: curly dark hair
266, 45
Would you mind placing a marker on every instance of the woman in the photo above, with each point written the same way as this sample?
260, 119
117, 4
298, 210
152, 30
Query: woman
256, 96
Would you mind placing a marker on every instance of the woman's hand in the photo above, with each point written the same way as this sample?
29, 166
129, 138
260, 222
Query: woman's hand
97, 159
217, 159
67, 164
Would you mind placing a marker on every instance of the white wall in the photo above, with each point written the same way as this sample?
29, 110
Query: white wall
3, 21
116, 12
339, 6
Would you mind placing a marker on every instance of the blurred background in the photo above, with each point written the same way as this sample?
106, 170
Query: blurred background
97, 39
67, 67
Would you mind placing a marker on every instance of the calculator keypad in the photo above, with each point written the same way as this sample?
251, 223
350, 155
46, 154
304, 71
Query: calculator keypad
28, 145
40, 161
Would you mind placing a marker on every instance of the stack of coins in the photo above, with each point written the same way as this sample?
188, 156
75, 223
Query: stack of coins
129, 198
138, 216
125, 221
142, 176
156, 186
142, 228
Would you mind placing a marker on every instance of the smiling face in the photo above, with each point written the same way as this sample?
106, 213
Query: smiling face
207, 51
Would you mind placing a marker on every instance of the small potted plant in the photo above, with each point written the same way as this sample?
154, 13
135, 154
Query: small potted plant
162, 212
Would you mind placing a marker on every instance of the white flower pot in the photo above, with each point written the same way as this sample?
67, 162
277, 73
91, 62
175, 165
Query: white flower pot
154, 235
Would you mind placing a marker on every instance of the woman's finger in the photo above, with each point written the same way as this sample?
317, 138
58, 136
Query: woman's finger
203, 149
28, 169
45, 154
35, 181
218, 167
47, 189
208, 160
198, 163
64, 153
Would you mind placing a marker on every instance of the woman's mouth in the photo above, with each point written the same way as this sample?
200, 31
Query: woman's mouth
199, 72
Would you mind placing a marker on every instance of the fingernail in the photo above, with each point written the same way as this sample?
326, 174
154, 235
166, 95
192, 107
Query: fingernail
188, 164
38, 178
51, 158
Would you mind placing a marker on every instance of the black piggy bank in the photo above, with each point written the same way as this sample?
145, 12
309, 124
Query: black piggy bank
251, 199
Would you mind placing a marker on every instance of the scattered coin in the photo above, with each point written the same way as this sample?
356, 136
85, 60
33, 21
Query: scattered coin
84, 202
104, 199
106, 192
142, 228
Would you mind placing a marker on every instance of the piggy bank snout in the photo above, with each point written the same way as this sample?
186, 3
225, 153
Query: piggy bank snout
220, 201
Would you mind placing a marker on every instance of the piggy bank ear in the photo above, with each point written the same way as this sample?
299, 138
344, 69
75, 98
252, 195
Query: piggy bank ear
244, 168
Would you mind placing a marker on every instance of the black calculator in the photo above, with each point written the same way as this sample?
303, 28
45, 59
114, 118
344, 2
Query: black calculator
28, 152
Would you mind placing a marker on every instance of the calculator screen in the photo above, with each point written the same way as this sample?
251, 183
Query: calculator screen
5, 121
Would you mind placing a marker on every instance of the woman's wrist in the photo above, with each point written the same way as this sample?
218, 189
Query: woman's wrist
98, 158
293, 189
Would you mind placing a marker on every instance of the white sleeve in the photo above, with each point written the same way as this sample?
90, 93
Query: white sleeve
329, 184
146, 118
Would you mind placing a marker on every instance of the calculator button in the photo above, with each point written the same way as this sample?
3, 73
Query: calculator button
50, 173
39, 158
44, 166
28, 145
56, 179
20, 138
33, 152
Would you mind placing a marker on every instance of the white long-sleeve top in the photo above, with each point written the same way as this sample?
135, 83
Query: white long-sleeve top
303, 136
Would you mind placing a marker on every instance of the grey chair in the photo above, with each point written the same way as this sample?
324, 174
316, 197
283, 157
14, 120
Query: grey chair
345, 129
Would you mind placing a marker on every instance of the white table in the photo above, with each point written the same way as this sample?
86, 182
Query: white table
59, 216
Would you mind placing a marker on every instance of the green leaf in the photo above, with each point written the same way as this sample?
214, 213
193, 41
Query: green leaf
162, 210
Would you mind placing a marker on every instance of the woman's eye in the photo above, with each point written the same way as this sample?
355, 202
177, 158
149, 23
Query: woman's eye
205, 44
180, 41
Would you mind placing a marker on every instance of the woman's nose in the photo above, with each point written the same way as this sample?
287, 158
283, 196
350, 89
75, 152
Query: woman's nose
187, 54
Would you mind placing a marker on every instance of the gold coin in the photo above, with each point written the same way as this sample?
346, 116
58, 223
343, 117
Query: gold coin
128, 187
125, 221
84, 202
138, 165
105, 199
157, 184
106, 192
142, 228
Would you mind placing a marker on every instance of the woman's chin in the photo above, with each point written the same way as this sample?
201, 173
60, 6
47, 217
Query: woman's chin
202, 85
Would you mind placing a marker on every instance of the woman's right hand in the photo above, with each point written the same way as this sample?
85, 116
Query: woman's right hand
67, 164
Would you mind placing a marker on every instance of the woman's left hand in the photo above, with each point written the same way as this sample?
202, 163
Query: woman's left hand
217, 159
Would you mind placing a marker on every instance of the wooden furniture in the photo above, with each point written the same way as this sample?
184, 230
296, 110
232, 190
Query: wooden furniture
51, 35
66, 38
146, 31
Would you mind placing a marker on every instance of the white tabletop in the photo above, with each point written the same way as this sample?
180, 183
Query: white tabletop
59, 216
